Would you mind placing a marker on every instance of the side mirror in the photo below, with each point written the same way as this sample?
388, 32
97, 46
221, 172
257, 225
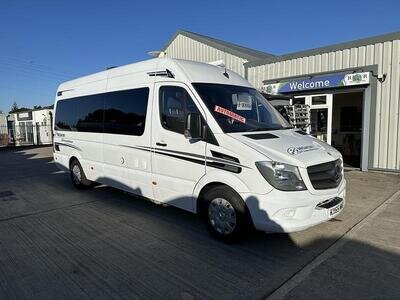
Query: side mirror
193, 126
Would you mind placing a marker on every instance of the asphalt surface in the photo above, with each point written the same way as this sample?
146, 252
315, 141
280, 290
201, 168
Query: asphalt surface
58, 242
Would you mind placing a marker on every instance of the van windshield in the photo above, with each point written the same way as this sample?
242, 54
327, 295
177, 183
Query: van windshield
240, 109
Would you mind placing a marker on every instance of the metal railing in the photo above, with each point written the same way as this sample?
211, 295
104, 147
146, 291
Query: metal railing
25, 134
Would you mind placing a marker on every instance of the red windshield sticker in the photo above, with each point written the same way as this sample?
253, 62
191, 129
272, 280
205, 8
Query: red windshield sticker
229, 113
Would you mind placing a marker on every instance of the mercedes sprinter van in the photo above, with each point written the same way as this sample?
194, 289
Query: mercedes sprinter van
198, 137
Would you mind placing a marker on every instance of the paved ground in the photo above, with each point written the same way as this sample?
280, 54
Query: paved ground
57, 242
364, 264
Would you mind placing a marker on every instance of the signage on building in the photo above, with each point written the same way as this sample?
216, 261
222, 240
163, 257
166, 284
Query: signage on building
317, 83
23, 116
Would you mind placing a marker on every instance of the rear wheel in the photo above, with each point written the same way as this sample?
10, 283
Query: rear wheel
78, 177
225, 214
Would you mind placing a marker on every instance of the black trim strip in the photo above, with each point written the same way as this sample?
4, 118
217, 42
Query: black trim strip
224, 156
226, 167
214, 159
193, 160
223, 164
222, 159
68, 145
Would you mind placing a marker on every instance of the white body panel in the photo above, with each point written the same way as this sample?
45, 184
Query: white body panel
164, 166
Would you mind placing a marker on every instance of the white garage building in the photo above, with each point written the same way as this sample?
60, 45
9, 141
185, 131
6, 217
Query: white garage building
32, 126
352, 88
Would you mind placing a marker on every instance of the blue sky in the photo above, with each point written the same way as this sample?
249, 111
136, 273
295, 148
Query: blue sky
43, 43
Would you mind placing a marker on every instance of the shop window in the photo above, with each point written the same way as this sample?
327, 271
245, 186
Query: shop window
300, 100
318, 100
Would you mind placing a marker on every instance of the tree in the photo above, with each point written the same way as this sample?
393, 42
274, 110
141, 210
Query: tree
14, 107
37, 107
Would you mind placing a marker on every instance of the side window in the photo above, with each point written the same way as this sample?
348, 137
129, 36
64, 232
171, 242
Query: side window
125, 111
121, 112
89, 114
175, 103
83, 114
65, 115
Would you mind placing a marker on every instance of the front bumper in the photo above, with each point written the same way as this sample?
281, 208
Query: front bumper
280, 211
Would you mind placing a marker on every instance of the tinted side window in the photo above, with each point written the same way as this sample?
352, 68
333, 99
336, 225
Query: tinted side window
89, 114
83, 114
175, 103
65, 118
125, 111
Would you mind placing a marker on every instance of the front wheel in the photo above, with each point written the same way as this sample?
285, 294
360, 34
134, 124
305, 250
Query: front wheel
225, 214
78, 177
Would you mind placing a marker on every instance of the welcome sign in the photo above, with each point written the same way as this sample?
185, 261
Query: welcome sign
318, 83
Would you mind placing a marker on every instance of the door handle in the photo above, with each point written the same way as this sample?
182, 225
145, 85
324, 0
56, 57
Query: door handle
161, 144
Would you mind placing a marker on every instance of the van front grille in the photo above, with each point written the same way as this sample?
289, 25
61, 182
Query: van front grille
327, 175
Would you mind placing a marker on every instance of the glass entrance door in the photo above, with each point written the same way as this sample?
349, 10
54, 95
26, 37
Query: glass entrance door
320, 115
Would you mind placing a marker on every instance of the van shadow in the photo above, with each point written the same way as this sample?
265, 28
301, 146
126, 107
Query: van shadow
128, 202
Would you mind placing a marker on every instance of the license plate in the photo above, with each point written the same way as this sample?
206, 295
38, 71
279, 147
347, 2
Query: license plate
336, 209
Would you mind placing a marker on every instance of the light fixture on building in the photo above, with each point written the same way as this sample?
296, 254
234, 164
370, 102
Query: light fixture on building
380, 76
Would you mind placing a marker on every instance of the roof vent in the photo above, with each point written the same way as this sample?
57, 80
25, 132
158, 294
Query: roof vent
164, 73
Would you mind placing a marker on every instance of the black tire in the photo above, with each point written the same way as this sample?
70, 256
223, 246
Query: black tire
221, 224
80, 182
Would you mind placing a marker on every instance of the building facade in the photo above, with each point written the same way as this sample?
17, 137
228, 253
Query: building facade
31, 127
352, 88
196, 47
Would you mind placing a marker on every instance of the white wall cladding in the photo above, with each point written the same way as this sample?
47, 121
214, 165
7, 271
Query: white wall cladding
387, 56
183, 47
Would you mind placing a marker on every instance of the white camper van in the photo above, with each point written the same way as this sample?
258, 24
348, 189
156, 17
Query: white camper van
198, 137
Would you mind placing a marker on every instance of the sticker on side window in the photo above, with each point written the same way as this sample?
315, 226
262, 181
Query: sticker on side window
229, 113
243, 102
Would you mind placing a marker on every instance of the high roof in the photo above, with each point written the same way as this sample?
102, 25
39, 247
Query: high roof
335, 47
237, 50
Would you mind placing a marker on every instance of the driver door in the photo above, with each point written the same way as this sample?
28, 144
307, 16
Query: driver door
178, 163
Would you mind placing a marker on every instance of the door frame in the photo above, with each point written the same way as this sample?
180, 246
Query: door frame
328, 105
177, 152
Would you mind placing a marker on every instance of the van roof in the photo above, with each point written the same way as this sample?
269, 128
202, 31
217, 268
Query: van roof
183, 71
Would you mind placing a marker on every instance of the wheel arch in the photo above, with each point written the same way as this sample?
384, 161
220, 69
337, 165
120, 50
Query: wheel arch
71, 159
213, 179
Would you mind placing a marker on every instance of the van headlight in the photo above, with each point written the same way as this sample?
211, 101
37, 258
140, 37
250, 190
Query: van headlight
281, 176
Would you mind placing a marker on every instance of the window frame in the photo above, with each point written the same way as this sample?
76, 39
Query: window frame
161, 111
